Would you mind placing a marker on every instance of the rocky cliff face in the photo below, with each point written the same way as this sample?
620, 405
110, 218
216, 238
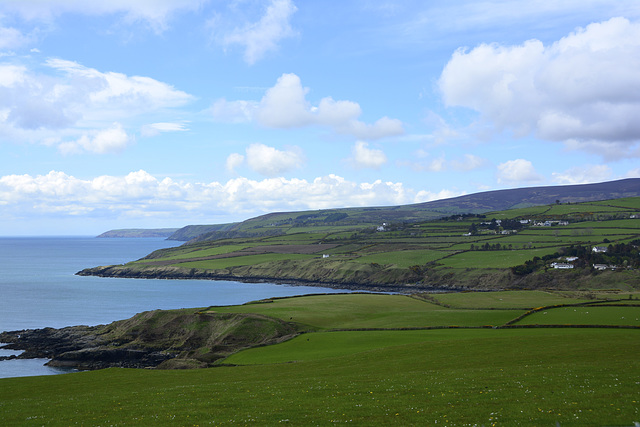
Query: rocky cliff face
155, 339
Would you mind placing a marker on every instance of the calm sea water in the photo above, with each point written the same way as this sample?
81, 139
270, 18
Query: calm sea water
39, 288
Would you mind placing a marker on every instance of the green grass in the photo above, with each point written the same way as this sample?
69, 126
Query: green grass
505, 299
591, 315
405, 258
215, 264
494, 259
370, 311
484, 377
322, 345
629, 202
188, 253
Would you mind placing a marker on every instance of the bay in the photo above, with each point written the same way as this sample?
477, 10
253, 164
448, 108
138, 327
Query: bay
39, 288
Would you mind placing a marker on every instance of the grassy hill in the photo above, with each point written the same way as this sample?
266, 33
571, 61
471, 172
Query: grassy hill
514, 248
359, 218
494, 358
139, 232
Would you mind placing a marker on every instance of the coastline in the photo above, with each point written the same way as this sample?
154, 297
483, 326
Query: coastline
192, 274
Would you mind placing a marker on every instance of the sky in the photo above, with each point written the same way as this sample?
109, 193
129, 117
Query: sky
165, 113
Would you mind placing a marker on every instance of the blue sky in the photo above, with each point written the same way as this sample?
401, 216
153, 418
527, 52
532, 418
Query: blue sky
164, 113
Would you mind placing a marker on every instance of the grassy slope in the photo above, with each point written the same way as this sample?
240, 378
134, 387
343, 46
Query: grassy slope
426, 252
371, 311
451, 376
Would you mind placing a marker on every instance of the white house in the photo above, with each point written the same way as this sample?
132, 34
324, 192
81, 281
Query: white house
561, 265
599, 249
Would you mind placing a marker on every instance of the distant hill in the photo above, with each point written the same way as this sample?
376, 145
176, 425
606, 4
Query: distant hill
139, 232
534, 196
478, 203
192, 231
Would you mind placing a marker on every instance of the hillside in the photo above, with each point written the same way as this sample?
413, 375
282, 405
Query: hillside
517, 248
279, 222
169, 339
139, 233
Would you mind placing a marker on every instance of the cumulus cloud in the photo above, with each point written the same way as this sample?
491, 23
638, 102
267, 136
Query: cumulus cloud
140, 194
584, 88
366, 157
263, 36
266, 160
285, 106
62, 104
583, 175
111, 140
517, 171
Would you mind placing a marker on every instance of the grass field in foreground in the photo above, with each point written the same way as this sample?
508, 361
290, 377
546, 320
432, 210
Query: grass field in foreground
538, 377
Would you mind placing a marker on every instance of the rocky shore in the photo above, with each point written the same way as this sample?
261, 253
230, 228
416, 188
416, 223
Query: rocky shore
168, 339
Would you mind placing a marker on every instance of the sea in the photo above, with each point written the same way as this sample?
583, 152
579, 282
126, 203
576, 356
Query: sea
39, 288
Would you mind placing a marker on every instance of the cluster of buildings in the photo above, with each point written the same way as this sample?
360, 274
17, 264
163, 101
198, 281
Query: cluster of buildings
567, 262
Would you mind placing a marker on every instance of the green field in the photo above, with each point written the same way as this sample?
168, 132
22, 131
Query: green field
505, 299
592, 315
493, 259
454, 376
370, 311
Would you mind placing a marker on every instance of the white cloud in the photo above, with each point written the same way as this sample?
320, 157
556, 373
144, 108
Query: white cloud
12, 38
266, 160
366, 157
272, 162
155, 13
154, 129
116, 91
583, 175
234, 161
111, 140
285, 106
517, 171
140, 194
263, 36
584, 87
72, 104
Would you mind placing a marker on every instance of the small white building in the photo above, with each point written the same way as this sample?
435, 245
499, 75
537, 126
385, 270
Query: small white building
562, 265
599, 249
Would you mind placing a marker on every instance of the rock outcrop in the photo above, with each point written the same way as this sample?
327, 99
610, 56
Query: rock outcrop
154, 339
